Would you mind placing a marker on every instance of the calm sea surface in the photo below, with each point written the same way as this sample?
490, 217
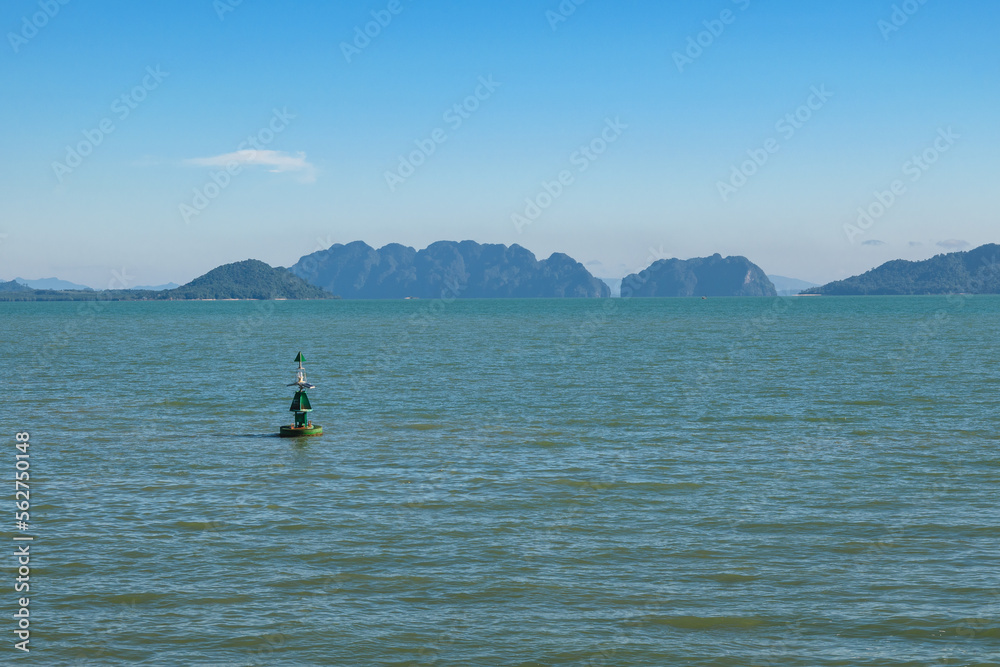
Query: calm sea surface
644, 482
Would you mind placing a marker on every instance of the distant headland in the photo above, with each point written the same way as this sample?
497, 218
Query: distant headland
250, 279
970, 272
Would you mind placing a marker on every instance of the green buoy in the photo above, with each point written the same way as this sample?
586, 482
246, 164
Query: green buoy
300, 406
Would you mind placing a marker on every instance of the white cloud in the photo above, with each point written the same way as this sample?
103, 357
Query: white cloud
954, 244
279, 161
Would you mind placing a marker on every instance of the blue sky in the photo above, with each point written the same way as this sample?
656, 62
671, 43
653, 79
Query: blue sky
656, 150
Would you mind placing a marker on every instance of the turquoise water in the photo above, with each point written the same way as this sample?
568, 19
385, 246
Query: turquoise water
666, 482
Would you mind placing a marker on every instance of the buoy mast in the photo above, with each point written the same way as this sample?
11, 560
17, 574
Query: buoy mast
301, 406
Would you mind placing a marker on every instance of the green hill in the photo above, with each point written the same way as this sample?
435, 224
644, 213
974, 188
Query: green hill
973, 272
15, 291
250, 279
13, 286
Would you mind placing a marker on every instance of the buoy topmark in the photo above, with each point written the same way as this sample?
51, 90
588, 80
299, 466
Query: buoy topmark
301, 407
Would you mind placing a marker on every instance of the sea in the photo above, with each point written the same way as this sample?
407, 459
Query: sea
722, 482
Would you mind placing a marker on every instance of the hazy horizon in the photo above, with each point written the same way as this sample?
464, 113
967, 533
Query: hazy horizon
654, 255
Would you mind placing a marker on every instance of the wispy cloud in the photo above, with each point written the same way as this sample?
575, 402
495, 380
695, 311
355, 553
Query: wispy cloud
873, 242
953, 244
279, 161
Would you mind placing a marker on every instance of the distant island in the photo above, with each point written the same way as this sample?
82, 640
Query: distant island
447, 269
971, 272
250, 279
713, 276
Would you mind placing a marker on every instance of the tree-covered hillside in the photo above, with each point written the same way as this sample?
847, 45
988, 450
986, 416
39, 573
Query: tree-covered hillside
973, 272
250, 279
